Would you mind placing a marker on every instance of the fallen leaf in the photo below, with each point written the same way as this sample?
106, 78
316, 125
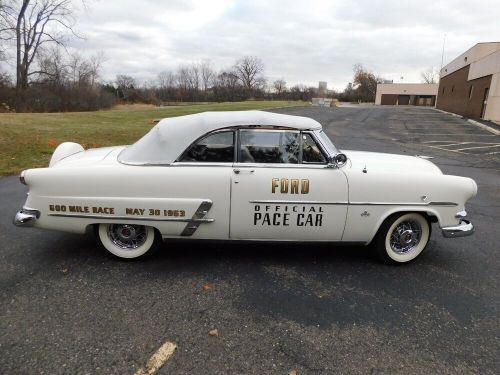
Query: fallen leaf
293, 372
65, 270
214, 333
207, 286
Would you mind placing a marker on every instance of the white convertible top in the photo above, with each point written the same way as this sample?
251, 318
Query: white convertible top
164, 143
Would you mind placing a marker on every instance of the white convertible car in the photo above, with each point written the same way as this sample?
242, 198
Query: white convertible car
247, 175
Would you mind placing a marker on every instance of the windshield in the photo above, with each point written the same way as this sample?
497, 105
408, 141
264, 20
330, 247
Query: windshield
330, 147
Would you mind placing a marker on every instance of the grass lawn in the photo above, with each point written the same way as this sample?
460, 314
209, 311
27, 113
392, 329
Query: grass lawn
27, 140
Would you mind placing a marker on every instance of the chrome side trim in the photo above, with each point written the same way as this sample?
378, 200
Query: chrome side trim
26, 217
198, 218
276, 201
443, 204
281, 165
463, 229
136, 218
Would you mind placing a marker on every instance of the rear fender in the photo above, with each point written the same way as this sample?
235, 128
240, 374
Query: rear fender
64, 150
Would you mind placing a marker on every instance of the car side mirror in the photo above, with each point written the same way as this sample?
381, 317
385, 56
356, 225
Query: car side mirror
338, 160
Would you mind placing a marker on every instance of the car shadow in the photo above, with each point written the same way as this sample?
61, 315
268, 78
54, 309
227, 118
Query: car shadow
309, 283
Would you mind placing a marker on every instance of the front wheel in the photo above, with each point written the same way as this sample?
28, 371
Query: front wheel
128, 241
402, 237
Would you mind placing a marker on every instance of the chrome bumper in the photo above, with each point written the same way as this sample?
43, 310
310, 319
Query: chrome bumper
464, 228
26, 217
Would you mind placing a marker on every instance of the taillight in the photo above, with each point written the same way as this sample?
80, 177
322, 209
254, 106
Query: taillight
21, 178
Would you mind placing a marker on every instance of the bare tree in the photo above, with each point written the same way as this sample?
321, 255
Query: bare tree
279, 86
125, 81
193, 77
52, 67
166, 85
301, 92
68, 83
126, 86
207, 75
249, 71
6, 26
188, 82
227, 86
28, 23
182, 78
430, 76
84, 72
166, 79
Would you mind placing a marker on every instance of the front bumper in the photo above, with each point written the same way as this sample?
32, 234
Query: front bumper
26, 217
464, 228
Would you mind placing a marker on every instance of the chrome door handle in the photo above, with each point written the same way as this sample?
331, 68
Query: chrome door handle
238, 171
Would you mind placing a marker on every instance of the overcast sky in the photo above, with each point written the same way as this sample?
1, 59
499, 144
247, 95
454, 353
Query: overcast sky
304, 41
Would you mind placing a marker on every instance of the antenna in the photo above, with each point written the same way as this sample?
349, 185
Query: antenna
442, 53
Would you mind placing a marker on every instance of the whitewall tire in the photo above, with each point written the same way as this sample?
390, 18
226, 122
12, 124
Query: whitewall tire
127, 241
403, 237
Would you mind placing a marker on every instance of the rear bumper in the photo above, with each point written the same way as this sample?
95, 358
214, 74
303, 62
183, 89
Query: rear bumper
464, 228
26, 217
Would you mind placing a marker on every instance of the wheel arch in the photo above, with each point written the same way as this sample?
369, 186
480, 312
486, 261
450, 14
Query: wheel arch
92, 227
430, 214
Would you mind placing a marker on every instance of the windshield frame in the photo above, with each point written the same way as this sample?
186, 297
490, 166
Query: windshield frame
327, 144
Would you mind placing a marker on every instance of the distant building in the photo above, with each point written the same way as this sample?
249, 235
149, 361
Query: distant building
421, 94
322, 89
323, 102
470, 84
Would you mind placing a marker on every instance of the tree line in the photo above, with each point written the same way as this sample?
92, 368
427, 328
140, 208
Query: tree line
201, 82
48, 78
72, 82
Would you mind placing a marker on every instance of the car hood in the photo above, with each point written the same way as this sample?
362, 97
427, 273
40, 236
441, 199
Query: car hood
90, 157
389, 163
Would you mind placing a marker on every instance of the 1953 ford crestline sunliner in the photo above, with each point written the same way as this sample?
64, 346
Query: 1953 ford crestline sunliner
248, 175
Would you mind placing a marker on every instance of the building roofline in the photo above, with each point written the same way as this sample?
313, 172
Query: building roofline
444, 69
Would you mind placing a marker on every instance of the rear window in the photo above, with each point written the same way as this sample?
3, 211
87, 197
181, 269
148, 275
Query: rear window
214, 148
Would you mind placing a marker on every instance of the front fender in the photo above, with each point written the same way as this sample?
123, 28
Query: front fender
374, 197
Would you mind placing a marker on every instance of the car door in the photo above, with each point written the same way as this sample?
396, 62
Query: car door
282, 188
205, 170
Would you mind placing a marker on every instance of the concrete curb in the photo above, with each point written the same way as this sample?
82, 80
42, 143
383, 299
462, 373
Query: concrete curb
477, 123
485, 127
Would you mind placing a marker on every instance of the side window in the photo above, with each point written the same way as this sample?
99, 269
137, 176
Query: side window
261, 146
311, 153
215, 148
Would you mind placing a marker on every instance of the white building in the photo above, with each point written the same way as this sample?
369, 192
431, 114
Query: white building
422, 94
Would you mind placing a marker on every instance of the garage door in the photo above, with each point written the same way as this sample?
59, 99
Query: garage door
389, 99
404, 99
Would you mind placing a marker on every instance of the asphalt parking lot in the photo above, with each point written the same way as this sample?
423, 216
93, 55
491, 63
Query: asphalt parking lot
67, 308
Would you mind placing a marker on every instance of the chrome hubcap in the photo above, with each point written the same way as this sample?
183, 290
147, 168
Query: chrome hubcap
127, 237
406, 236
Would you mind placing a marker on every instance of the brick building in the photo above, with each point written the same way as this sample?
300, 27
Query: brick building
470, 84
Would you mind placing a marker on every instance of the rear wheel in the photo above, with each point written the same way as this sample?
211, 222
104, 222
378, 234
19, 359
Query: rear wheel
128, 241
403, 237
